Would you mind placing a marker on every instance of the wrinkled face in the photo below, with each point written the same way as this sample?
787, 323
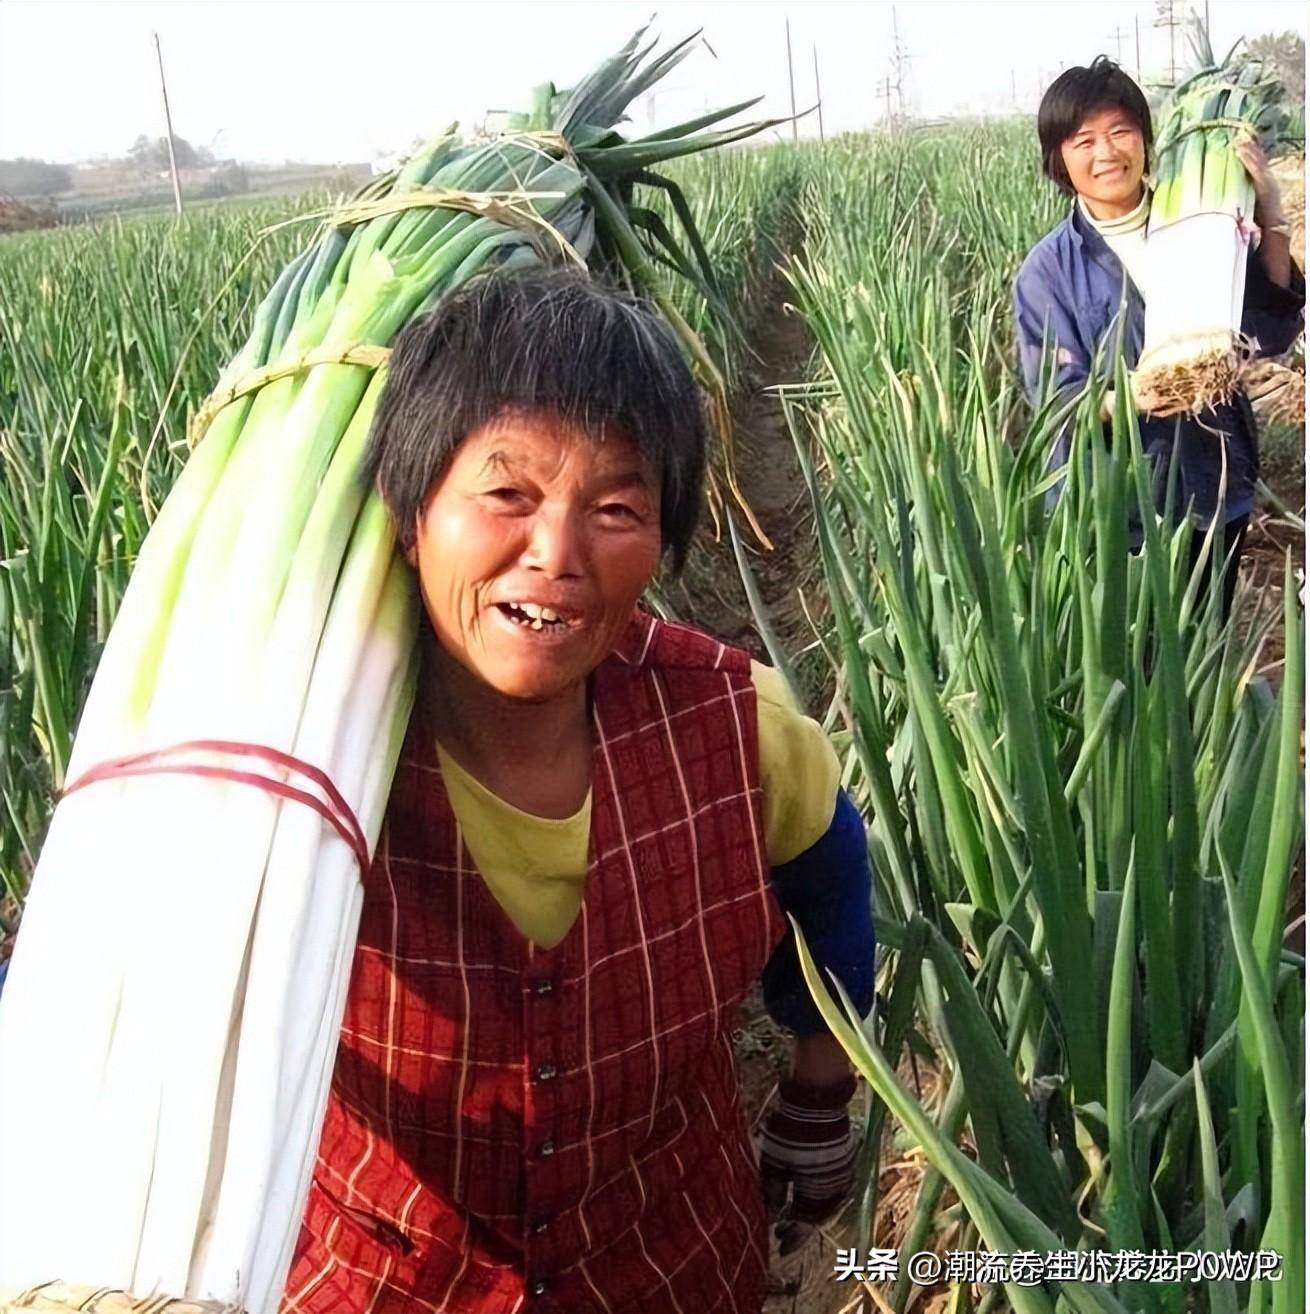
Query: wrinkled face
533, 546
1105, 158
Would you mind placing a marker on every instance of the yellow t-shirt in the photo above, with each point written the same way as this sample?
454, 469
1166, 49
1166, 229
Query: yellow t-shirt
535, 867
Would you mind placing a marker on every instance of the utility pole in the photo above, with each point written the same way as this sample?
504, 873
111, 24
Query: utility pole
884, 86
818, 94
898, 65
1014, 90
1137, 38
168, 123
652, 99
1117, 36
1164, 10
791, 83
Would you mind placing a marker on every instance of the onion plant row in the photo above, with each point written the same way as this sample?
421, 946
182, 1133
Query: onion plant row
109, 338
745, 203
1085, 801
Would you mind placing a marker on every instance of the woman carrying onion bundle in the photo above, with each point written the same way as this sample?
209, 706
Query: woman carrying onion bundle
596, 823
1094, 127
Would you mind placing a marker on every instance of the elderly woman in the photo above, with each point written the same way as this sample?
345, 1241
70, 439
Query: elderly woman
1094, 127
597, 822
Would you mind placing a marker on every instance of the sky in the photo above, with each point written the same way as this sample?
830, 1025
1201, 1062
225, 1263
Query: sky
360, 80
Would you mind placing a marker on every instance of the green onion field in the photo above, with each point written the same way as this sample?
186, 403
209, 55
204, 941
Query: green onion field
1084, 794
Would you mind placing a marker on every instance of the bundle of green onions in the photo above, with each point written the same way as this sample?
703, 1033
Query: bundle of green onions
169, 1026
1200, 229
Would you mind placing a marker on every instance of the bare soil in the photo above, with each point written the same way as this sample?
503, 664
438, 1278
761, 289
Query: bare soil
710, 593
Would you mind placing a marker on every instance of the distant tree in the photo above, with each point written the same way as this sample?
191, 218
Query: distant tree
24, 177
150, 154
1284, 54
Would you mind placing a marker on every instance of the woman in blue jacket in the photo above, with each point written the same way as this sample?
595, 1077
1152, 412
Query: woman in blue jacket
1094, 126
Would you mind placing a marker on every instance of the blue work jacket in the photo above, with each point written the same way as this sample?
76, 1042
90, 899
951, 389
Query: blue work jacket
1070, 287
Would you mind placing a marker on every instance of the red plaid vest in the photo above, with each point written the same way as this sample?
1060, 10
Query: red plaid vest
517, 1129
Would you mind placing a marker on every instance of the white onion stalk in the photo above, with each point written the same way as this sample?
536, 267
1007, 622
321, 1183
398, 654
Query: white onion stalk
1198, 237
169, 1025
1193, 323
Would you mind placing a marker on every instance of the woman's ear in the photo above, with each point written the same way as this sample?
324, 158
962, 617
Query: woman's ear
407, 543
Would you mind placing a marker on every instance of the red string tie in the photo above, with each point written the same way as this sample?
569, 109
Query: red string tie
164, 761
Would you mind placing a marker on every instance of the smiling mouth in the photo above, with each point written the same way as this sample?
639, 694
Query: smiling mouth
530, 616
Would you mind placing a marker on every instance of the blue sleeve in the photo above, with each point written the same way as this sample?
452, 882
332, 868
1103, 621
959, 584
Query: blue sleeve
828, 889
1042, 318
1045, 322
1271, 314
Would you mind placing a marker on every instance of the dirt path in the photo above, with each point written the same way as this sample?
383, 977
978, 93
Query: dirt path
710, 593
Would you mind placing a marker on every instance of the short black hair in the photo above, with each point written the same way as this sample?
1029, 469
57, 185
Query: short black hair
557, 341
1077, 93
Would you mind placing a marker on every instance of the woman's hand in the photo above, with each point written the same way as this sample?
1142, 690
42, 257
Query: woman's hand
1268, 201
1275, 239
1110, 395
